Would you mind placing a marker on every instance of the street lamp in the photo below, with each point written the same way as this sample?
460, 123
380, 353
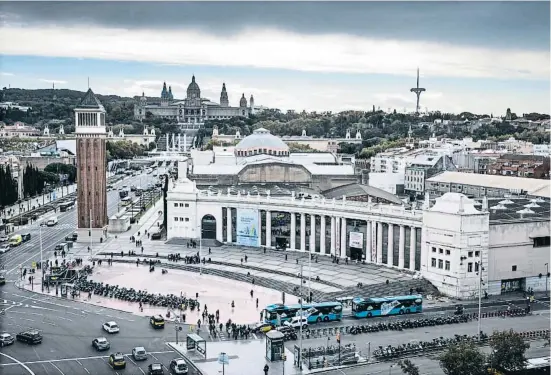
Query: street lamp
546, 279
479, 273
300, 327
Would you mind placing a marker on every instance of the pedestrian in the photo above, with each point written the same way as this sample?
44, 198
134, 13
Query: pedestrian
257, 302
266, 369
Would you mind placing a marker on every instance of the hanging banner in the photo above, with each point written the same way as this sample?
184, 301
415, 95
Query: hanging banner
373, 228
356, 239
247, 227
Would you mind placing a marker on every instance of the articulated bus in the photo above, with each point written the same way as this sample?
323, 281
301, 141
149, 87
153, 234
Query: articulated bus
316, 312
385, 306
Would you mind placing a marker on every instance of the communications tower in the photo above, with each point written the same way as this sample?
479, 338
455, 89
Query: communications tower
417, 90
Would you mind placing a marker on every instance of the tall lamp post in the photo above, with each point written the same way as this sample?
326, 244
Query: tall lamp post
41, 257
546, 279
300, 327
479, 273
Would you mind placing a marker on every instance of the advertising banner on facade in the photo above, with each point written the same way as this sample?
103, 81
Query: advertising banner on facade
247, 227
356, 240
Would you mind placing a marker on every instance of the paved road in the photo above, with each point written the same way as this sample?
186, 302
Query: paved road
68, 328
28, 252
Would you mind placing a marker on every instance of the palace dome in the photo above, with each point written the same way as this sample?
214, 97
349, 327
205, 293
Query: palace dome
193, 88
261, 142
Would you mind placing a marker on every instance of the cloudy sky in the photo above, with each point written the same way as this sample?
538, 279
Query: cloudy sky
473, 56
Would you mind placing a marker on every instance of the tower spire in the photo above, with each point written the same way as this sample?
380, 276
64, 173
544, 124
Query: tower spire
417, 90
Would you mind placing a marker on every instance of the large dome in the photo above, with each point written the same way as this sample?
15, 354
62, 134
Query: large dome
193, 90
262, 142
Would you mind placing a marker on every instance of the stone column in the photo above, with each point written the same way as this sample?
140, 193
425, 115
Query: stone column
228, 225
333, 230
343, 237
268, 229
312, 233
302, 232
293, 231
379, 242
401, 246
390, 250
368, 241
322, 234
412, 245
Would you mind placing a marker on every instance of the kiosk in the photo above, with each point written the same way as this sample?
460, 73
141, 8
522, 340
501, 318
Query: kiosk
196, 343
275, 347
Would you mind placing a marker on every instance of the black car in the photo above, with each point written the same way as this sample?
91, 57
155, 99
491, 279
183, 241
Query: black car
30, 337
155, 369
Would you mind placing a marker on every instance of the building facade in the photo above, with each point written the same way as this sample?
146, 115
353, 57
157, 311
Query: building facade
18, 130
194, 110
91, 169
531, 166
447, 243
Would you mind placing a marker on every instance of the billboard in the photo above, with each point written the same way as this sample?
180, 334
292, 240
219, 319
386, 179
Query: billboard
356, 240
247, 227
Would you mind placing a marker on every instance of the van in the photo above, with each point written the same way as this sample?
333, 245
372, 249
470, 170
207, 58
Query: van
16, 240
25, 237
51, 221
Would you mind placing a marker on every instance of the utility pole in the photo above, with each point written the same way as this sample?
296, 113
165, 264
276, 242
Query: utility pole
417, 90
90, 234
309, 275
41, 257
479, 297
546, 279
300, 332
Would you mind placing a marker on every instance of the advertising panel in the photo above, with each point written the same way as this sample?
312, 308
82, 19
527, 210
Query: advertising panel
356, 240
247, 227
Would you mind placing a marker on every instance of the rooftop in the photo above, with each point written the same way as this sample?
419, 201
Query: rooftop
90, 102
352, 190
515, 210
532, 186
262, 138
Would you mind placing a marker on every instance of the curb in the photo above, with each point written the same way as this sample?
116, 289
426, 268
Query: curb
189, 361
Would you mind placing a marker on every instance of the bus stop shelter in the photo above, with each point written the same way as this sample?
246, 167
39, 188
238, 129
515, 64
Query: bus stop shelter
196, 343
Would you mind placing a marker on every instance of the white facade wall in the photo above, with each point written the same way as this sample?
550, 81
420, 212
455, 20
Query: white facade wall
542, 150
386, 181
513, 245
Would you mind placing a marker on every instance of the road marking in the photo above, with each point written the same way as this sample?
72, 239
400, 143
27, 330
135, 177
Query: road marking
77, 359
135, 364
57, 368
19, 363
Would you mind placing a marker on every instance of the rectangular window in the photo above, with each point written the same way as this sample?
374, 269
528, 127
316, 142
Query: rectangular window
434, 249
175, 219
514, 268
181, 219
469, 267
448, 252
440, 263
181, 205
470, 254
440, 251
542, 241
175, 204
187, 219
186, 205
447, 265
477, 253
433, 262
476, 267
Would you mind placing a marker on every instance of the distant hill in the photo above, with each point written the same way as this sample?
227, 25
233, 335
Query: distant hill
49, 104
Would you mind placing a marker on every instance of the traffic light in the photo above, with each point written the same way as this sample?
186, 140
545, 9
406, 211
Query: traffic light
339, 337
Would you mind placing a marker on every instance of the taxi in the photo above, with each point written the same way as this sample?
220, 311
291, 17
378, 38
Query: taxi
2, 279
263, 327
117, 361
157, 321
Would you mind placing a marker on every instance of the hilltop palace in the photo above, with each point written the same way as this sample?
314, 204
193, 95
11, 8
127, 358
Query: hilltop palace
193, 110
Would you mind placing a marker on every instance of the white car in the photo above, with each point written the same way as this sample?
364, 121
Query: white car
4, 238
4, 248
296, 322
111, 327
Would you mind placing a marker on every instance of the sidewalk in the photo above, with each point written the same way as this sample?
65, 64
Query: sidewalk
28, 204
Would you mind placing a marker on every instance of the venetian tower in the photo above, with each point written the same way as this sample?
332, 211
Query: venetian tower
91, 169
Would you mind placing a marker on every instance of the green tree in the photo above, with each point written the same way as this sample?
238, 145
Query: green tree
65, 169
8, 187
408, 367
463, 359
508, 351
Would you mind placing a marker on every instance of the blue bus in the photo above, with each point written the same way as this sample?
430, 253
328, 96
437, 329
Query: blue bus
316, 312
385, 306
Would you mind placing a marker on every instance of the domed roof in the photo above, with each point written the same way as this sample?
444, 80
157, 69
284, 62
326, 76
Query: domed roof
243, 101
262, 138
193, 86
455, 203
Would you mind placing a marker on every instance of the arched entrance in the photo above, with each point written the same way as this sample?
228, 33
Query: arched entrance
208, 227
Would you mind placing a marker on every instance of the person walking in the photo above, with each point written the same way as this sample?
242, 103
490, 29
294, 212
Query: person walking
266, 369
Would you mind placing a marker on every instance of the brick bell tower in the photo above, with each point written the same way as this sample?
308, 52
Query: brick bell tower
91, 134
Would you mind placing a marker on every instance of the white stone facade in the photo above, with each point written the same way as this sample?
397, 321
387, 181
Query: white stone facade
193, 111
449, 243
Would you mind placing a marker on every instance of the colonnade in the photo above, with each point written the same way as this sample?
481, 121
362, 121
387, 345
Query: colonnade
374, 246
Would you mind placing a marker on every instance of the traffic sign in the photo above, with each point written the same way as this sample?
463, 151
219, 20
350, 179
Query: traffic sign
223, 359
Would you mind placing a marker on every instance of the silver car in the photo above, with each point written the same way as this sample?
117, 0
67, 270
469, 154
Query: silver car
3, 238
6, 339
139, 353
4, 248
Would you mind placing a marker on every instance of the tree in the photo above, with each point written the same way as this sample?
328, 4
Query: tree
463, 359
8, 187
508, 351
63, 169
408, 367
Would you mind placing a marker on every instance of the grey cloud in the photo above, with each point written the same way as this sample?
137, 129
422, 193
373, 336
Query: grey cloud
524, 24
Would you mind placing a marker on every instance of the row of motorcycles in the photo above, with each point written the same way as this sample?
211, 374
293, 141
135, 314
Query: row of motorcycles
415, 348
400, 325
327, 350
131, 295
